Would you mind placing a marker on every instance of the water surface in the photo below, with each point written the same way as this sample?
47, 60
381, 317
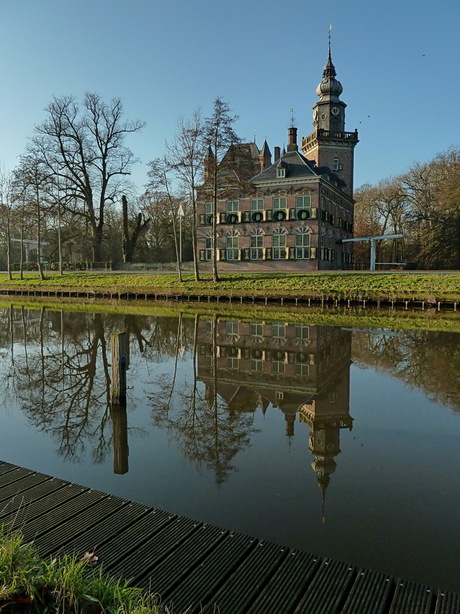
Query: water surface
339, 442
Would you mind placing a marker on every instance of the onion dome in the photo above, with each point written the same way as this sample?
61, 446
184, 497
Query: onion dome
329, 88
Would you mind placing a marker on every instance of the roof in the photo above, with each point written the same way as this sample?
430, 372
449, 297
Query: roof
297, 167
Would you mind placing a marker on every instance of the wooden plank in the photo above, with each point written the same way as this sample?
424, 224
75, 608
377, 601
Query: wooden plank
164, 578
133, 537
78, 524
410, 597
447, 603
39, 500
106, 529
20, 487
32, 529
329, 588
154, 549
200, 585
286, 586
370, 593
13, 476
244, 585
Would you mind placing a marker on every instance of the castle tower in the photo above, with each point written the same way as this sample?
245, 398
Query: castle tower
329, 144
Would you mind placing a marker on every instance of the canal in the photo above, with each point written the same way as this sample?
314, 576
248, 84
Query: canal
338, 441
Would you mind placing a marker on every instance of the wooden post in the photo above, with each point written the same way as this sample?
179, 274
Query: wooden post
120, 438
120, 359
118, 343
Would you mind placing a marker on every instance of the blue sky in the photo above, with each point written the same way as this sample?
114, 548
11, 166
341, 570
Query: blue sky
396, 59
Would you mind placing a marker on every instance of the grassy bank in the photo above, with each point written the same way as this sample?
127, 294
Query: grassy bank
430, 287
67, 584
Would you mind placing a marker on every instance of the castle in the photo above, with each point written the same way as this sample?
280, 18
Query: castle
290, 213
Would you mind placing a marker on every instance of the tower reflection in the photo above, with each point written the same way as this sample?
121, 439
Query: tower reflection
301, 370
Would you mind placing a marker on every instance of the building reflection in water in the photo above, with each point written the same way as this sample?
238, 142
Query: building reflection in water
302, 370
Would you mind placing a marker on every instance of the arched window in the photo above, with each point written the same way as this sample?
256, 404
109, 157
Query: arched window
208, 246
279, 243
257, 243
231, 244
302, 244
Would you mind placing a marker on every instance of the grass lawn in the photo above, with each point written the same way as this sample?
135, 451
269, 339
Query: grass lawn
373, 286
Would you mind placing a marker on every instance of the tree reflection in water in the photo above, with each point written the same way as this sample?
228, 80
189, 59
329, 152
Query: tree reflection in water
56, 364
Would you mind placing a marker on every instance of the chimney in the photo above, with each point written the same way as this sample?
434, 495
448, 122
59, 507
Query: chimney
277, 154
292, 139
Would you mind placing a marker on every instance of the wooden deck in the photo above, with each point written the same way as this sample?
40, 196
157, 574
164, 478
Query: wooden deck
198, 566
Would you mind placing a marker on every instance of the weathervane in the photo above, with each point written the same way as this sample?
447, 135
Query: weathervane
291, 111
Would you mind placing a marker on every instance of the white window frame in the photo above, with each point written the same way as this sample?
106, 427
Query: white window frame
256, 246
279, 203
302, 244
257, 204
231, 247
278, 246
232, 206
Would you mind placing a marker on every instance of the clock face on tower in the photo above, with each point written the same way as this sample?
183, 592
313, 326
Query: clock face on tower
335, 111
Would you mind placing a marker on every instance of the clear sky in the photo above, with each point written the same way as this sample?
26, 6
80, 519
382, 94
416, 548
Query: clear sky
398, 62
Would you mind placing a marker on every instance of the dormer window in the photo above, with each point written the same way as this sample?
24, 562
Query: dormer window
280, 173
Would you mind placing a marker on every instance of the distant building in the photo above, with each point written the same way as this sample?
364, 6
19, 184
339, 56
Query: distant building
289, 213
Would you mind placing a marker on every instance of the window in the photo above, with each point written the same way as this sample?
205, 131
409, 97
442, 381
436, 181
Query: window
302, 368
256, 247
303, 202
302, 332
257, 204
233, 363
281, 172
279, 203
278, 366
232, 206
279, 246
256, 365
232, 248
335, 164
208, 207
278, 330
208, 248
232, 328
302, 244
256, 329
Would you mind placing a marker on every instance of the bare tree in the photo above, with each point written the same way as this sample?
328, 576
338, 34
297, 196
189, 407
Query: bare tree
219, 136
82, 150
159, 174
185, 155
6, 205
